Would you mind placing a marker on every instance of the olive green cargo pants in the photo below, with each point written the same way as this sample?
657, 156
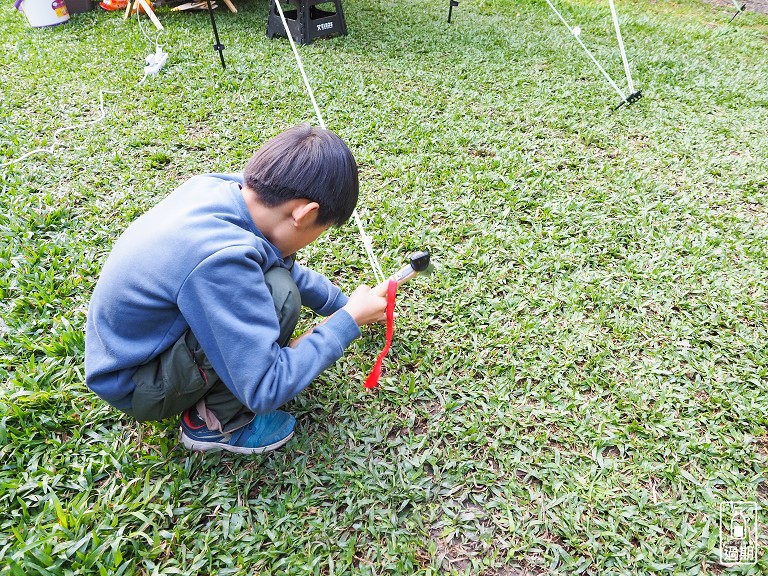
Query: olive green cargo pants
182, 376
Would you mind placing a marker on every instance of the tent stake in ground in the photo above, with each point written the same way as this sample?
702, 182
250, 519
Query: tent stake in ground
632, 94
451, 5
739, 9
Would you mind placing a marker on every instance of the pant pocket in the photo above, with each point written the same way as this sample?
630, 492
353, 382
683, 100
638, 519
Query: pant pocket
148, 400
169, 384
186, 385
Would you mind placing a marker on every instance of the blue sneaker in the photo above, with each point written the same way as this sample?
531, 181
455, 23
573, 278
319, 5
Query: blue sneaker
264, 433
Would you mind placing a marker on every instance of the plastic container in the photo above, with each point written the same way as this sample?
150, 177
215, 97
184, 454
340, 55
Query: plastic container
42, 13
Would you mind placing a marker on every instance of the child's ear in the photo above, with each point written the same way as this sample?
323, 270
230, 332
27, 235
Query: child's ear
305, 214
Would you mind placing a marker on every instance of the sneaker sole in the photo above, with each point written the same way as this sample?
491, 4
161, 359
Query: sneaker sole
200, 446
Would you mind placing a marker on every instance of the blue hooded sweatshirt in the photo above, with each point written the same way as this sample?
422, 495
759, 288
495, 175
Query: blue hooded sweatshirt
197, 261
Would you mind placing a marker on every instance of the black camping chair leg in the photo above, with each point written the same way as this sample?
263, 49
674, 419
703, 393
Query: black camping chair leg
218, 46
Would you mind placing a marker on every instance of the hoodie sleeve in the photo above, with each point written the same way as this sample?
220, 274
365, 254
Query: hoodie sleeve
230, 310
317, 292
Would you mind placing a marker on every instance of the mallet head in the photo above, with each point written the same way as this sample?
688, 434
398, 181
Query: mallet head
419, 261
418, 264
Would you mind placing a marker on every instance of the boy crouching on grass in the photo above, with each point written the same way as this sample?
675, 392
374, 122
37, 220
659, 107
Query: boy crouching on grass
196, 304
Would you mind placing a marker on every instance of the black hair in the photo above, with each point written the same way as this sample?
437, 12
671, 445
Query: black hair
306, 162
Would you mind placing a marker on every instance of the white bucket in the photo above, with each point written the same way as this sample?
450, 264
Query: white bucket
41, 13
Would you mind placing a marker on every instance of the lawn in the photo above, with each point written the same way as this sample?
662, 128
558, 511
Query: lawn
579, 387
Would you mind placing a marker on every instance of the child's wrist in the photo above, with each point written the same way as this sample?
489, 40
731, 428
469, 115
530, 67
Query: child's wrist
354, 313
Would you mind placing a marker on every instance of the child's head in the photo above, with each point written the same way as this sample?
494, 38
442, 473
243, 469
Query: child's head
306, 162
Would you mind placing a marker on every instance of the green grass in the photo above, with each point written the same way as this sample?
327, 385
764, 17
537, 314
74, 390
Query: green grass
578, 388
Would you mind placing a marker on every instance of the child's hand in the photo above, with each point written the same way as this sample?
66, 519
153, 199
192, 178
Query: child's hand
365, 307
